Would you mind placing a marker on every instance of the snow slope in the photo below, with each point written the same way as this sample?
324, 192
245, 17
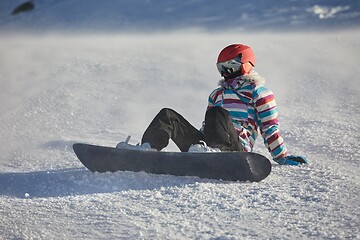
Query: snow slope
159, 15
60, 87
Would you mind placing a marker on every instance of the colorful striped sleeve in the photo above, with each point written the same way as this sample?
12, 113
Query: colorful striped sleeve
212, 98
267, 114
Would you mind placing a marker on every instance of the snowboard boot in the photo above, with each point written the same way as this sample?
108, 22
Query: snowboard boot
143, 147
202, 147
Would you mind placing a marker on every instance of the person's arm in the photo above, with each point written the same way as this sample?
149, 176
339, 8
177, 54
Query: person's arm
212, 98
211, 103
267, 114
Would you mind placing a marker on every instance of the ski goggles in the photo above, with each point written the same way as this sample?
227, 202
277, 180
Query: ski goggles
230, 66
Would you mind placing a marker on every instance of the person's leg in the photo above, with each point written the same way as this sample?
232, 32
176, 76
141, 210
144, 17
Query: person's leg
169, 124
219, 130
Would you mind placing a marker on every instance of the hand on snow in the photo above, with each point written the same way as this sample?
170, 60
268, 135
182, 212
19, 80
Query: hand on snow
293, 160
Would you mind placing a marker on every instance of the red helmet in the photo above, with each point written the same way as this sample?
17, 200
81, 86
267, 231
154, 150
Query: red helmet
236, 58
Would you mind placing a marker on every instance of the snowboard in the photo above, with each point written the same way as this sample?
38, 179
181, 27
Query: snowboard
228, 166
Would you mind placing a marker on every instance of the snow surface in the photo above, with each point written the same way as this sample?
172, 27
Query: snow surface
60, 87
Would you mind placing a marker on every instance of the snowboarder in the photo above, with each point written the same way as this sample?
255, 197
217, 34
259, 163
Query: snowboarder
238, 109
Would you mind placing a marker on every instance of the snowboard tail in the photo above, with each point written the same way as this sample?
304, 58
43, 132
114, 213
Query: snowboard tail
230, 166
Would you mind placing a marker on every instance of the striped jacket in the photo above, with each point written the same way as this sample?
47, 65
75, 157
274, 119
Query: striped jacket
252, 107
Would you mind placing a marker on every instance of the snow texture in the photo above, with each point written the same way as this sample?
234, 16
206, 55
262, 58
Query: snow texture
65, 79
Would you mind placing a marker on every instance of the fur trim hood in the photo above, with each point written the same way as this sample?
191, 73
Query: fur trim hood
242, 80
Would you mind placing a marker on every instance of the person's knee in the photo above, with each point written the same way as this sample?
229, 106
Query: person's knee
216, 112
166, 111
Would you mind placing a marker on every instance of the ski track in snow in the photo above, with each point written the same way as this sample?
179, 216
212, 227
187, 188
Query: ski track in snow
60, 89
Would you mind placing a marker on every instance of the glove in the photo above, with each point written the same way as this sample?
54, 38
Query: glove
293, 160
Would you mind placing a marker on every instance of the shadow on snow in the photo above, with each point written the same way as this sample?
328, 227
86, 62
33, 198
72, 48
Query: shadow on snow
80, 181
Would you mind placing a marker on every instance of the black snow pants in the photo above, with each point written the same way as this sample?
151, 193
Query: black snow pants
218, 131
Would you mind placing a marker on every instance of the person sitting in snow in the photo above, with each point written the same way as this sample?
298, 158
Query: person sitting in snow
238, 109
